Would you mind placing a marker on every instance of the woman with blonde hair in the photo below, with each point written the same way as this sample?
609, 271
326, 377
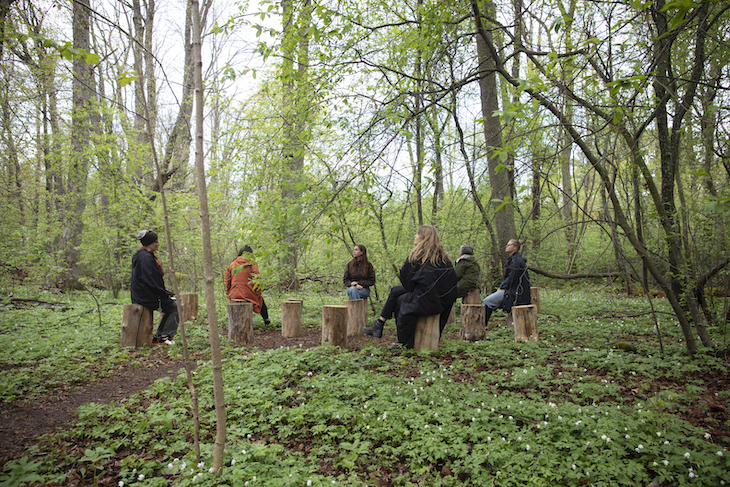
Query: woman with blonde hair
428, 288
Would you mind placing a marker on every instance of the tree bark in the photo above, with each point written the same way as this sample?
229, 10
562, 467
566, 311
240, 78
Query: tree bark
499, 179
208, 273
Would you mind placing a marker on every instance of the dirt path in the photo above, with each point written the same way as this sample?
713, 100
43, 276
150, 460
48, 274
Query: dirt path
22, 423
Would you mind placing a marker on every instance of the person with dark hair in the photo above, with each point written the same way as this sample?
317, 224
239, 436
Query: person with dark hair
359, 274
148, 287
240, 282
429, 288
467, 271
515, 288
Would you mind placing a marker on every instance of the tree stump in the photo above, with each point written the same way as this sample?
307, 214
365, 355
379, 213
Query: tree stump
240, 322
189, 307
472, 298
535, 297
334, 325
472, 322
525, 322
357, 316
136, 326
291, 318
428, 333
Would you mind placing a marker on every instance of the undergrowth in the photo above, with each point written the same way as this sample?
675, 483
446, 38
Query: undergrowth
573, 409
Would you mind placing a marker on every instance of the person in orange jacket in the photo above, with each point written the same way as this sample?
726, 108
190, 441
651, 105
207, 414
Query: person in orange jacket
240, 284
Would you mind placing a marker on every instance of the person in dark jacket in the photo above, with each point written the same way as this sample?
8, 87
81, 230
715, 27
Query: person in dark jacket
148, 287
429, 288
515, 288
359, 274
467, 271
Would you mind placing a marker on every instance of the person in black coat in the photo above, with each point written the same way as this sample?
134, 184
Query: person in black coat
428, 288
515, 288
148, 287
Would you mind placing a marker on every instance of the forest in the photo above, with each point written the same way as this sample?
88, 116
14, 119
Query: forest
596, 132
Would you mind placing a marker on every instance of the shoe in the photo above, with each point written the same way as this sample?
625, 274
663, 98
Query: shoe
376, 329
155, 339
167, 341
267, 322
397, 346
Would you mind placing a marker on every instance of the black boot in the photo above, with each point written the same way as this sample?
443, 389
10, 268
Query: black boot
376, 329
487, 314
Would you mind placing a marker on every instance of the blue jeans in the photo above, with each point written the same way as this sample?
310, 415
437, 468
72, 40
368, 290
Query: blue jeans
354, 293
494, 300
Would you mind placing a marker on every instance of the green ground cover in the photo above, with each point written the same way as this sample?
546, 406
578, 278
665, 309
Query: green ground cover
572, 409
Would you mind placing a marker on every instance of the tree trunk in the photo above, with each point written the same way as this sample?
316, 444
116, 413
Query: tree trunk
208, 273
80, 155
499, 179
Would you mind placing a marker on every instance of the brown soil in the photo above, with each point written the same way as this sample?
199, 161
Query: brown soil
23, 422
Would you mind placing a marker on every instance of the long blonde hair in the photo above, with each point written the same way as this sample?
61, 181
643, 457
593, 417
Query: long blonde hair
429, 248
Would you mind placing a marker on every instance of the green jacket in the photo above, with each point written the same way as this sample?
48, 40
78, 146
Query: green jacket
467, 272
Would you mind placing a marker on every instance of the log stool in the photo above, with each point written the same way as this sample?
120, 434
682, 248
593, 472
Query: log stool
472, 322
427, 332
189, 307
240, 322
291, 318
334, 325
525, 322
357, 316
472, 297
136, 326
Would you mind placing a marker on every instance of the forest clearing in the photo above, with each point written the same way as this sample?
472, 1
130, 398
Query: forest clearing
594, 402
586, 142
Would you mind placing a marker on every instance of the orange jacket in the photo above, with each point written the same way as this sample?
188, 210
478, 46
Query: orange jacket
239, 285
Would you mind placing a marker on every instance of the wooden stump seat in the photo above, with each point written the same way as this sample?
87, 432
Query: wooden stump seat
428, 333
136, 326
525, 322
189, 307
240, 322
357, 316
291, 318
334, 325
472, 297
472, 322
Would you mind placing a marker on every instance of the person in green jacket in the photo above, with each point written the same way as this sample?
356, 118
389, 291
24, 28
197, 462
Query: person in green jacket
467, 271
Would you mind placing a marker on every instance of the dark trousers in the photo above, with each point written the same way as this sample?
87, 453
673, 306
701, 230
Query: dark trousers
264, 311
405, 323
169, 320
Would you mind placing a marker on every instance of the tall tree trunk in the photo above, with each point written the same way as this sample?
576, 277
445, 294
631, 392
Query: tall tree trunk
498, 177
295, 46
82, 109
177, 149
208, 273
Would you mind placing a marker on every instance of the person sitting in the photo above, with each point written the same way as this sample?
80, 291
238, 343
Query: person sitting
359, 274
240, 283
147, 287
515, 288
467, 271
429, 288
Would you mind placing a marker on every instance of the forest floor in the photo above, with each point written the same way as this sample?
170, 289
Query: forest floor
22, 423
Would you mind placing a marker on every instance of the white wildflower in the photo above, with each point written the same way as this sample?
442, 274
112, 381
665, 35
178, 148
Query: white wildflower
686, 455
140, 477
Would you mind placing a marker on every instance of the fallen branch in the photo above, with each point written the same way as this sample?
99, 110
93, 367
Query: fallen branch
553, 275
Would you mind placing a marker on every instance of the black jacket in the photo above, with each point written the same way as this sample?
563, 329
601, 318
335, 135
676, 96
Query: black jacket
147, 284
516, 283
430, 289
